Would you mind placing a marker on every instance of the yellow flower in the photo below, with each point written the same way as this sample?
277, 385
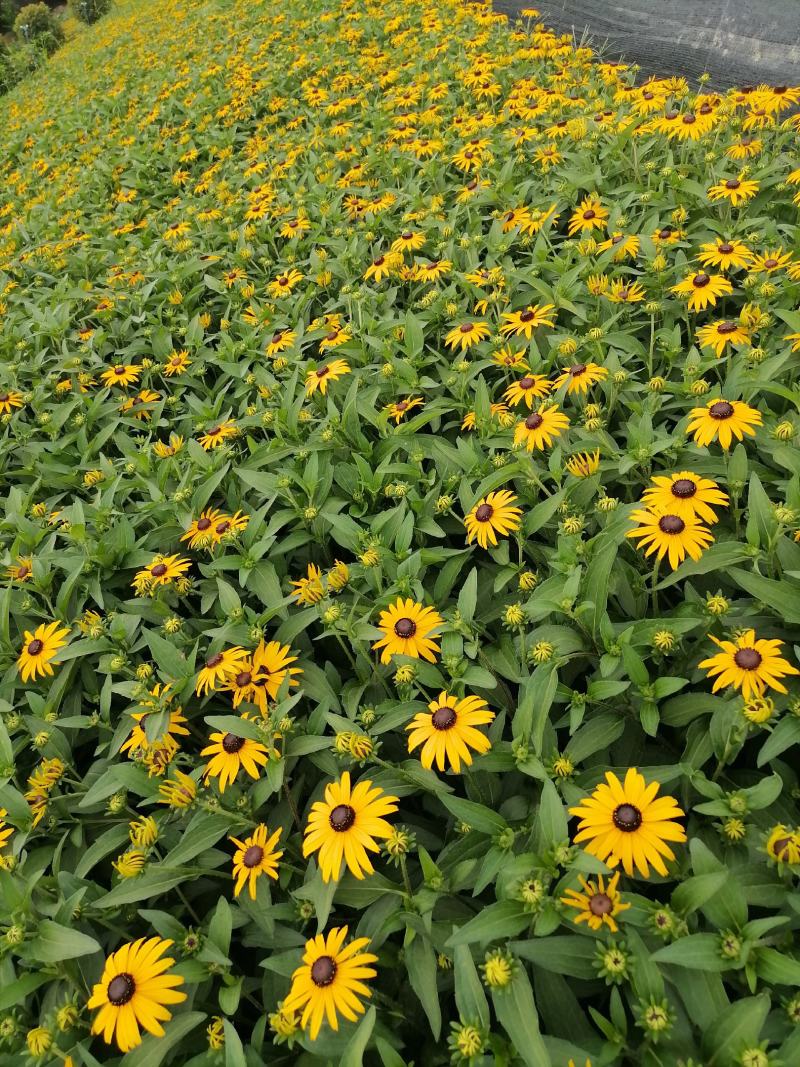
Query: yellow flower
721, 333
309, 590
256, 855
178, 792
230, 754
540, 428
162, 571
407, 628
686, 495
589, 215
580, 376
702, 290
467, 335
400, 408
723, 420
329, 372
531, 387
749, 664
215, 436
447, 731
584, 464
526, 321
344, 827
492, 515
670, 535
39, 650
736, 190
599, 903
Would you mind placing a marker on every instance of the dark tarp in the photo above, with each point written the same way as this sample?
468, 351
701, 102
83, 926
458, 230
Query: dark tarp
739, 42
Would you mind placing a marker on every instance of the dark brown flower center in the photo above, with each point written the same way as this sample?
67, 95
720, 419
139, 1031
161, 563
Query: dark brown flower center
342, 818
215, 660
627, 818
577, 370
203, 524
533, 421
379, 261
231, 743
243, 678
331, 337
726, 327
721, 410
35, 647
526, 316
748, 659
770, 262
253, 856
277, 337
780, 846
600, 904
671, 524
672, 114
700, 280
590, 214
725, 248
159, 570
4, 398
688, 118
119, 370
683, 487
222, 527
484, 512
405, 628
615, 240
323, 971
120, 989
526, 382
322, 371
23, 571
732, 183
466, 328
407, 235
444, 718
665, 234
214, 431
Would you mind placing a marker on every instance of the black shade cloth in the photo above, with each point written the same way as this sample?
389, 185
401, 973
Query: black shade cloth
738, 42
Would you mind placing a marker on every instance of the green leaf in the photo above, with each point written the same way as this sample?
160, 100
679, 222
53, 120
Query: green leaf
735, 1029
153, 1049
785, 735
203, 831
475, 815
54, 943
470, 997
13, 995
146, 886
693, 893
234, 1052
516, 1012
561, 954
551, 820
353, 1055
776, 968
503, 919
699, 952
782, 598
420, 960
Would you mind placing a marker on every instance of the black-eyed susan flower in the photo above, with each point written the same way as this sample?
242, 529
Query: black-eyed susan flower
407, 628
580, 376
588, 216
584, 464
133, 992
400, 408
163, 570
219, 668
507, 357
22, 570
337, 335
329, 372
541, 428
330, 981
670, 535
523, 323
623, 291
748, 663
770, 261
467, 335
122, 374
598, 905
177, 363
724, 254
447, 731
686, 495
201, 532
526, 390
723, 420
721, 333
783, 844
626, 823
344, 826
702, 290
5, 830
229, 755
284, 283
39, 649
254, 856
408, 241
280, 341
10, 399
164, 450
492, 515
383, 266
179, 792
432, 271
735, 190
216, 435
309, 589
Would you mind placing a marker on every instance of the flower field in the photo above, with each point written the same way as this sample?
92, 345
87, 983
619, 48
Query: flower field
401, 546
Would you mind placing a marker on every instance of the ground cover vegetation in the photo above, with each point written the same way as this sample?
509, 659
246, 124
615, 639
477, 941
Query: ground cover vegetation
400, 523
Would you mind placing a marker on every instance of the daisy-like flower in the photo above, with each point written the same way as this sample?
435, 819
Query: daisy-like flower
179, 792
598, 905
541, 428
795, 339
177, 363
329, 372
626, 823
122, 374
137, 405
492, 515
625, 292
736, 190
330, 981
670, 535
219, 669
724, 254
230, 754
531, 387
159, 700
133, 992
590, 215
580, 376
624, 245
337, 335
686, 495
164, 450
748, 663
721, 333
408, 241
466, 335
214, 437
723, 420
400, 408
201, 532
506, 357
309, 590
344, 827
447, 731
783, 844
21, 570
770, 261
431, 272
584, 464
702, 290
383, 266
407, 628
9, 400
526, 321
37, 656
280, 341
284, 283
254, 856
496, 411
162, 571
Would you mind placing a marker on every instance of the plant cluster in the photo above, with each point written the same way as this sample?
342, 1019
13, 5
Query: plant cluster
400, 621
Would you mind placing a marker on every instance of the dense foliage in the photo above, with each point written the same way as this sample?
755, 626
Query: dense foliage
360, 360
